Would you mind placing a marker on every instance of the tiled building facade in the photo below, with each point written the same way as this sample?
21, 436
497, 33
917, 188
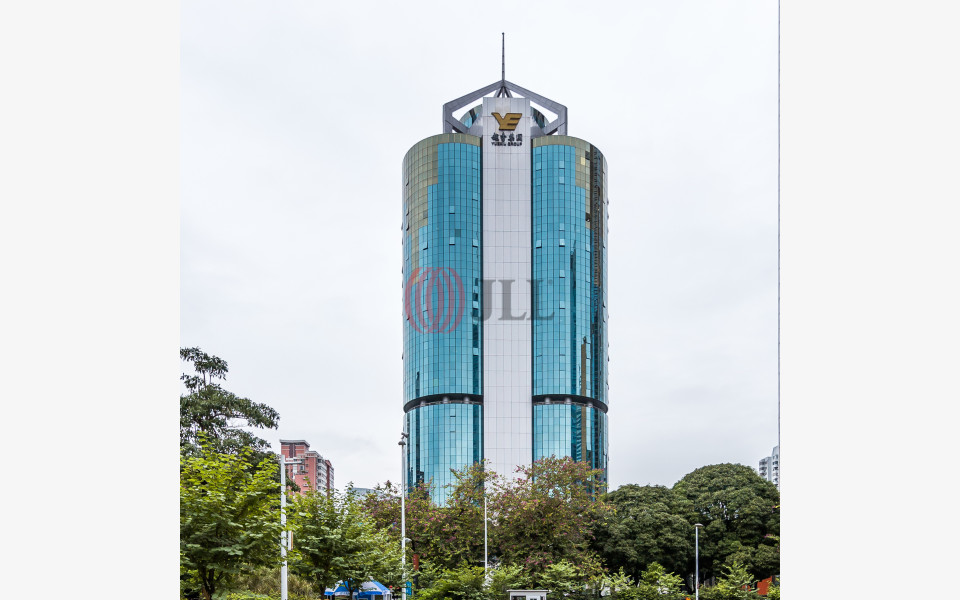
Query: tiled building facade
313, 472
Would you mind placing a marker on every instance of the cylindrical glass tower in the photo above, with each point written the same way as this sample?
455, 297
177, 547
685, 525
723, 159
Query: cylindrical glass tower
504, 294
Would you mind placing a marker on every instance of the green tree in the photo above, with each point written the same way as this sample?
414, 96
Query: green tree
445, 536
563, 579
265, 582
218, 415
774, 592
335, 539
738, 509
733, 585
762, 560
646, 525
619, 585
460, 583
423, 521
544, 516
547, 514
656, 583
458, 534
229, 516
506, 577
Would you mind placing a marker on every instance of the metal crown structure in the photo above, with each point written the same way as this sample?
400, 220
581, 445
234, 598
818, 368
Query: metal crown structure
504, 87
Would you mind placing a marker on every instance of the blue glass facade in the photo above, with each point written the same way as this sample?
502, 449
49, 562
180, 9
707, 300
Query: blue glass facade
569, 300
442, 332
442, 437
575, 430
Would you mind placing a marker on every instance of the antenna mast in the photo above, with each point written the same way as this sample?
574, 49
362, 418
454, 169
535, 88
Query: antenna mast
503, 91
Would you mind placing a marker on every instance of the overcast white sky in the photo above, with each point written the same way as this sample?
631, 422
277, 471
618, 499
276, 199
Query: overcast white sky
295, 118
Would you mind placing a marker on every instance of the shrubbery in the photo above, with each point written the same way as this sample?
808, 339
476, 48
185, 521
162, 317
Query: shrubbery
731, 585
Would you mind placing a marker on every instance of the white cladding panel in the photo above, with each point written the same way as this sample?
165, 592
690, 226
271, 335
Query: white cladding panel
507, 378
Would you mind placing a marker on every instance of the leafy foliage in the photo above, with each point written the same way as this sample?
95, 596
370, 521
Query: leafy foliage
733, 585
656, 583
461, 583
229, 516
458, 526
265, 582
619, 585
506, 577
563, 579
646, 525
762, 560
738, 509
547, 515
774, 592
217, 414
444, 536
336, 540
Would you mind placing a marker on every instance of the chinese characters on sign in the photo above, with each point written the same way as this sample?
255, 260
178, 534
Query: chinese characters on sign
502, 139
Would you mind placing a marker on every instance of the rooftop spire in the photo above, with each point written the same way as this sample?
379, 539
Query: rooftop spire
503, 91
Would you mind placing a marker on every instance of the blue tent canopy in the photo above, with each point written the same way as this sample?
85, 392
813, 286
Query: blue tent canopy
369, 590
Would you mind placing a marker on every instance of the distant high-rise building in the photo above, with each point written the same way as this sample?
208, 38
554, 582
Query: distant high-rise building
505, 293
314, 472
770, 467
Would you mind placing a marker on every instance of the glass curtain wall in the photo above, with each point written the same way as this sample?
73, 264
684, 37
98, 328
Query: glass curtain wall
569, 300
442, 333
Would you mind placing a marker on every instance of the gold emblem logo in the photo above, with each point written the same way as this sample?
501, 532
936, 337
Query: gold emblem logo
509, 121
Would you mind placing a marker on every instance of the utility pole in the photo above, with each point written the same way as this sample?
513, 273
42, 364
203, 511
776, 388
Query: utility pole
286, 540
696, 558
403, 511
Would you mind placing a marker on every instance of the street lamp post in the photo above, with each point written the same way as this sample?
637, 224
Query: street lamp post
696, 558
403, 512
285, 540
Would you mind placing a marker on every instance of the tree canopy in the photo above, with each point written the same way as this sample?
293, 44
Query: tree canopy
229, 501
734, 584
740, 514
336, 540
209, 410
646, 525
548, 514
229, 515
